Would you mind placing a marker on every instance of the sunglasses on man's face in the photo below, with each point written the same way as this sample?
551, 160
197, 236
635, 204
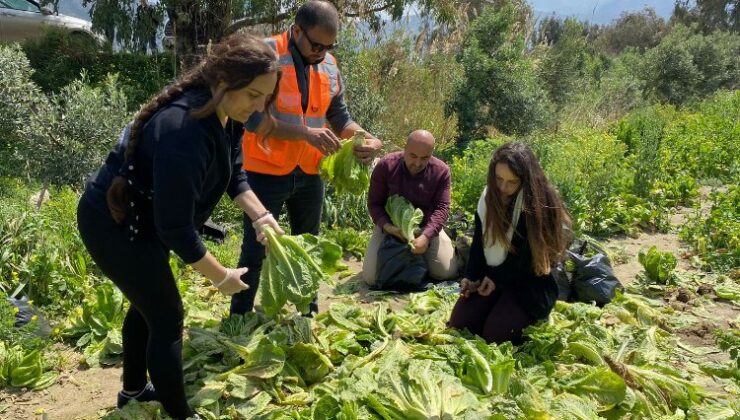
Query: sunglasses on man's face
316, 46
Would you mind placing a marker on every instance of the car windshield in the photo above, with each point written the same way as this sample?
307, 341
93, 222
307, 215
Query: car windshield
23, 5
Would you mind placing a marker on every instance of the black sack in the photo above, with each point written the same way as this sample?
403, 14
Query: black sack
594, 279
563, 280
25, 313
398, 268
211, 231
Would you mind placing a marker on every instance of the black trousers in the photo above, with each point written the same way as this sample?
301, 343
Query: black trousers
152, 329
496, 318
303, 195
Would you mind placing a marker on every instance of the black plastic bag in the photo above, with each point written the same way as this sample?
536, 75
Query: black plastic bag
398, 268
25, 313
211, 231
562, 279
594, 279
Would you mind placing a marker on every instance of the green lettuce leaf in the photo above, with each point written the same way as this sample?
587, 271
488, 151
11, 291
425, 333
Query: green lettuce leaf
289, 274
344, 171
404, 215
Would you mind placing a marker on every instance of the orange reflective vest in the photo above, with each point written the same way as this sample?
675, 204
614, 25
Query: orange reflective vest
282, 156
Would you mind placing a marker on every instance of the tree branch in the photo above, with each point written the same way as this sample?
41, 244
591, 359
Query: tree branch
247, 22
375, 10
250, 21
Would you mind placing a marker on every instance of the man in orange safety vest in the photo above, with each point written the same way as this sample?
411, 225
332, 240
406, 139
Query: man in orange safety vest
283, 146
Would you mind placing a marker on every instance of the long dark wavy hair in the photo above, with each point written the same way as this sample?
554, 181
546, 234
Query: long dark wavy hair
544, 211
229, 65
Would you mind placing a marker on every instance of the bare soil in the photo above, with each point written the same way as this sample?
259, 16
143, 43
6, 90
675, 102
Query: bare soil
78, 394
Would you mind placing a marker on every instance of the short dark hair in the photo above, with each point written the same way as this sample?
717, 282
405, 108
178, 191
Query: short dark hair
320, 13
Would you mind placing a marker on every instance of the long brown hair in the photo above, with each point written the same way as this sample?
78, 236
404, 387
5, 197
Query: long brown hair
229, 65
542, 207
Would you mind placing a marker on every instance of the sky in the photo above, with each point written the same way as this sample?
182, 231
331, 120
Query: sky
599, 11
595, 11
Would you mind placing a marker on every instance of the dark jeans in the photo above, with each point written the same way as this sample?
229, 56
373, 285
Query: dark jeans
303, 196
496, 318
152, 329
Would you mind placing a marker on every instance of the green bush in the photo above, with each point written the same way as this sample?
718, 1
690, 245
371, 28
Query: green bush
19, 98
42, 254
590, 170
362, 89
616, 90
469, 171
426, 84
68, 139
563, 68
392, 90
228, 214
59, 139
60, 59
643, 133
716, 236
587, 166
674, 150
687, 66
500, 88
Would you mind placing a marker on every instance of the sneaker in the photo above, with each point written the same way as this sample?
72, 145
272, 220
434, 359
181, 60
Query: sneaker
313, 309
146, 394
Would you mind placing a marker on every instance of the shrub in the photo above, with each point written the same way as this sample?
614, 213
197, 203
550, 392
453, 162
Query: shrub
43, 255
19, 96
686, 65
617, 90
563, 68
716, 236
60, 59
392, 90
469, 171
69, 137
500, 87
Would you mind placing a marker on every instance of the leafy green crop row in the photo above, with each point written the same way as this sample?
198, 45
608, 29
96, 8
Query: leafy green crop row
368, 362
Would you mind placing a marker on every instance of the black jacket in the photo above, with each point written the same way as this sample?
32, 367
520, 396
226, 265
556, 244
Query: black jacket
536, 294
182, 167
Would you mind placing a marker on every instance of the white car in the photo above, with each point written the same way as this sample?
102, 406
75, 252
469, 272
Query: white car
25, 19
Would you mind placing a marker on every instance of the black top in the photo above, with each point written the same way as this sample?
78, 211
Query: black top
536, 294
182, 167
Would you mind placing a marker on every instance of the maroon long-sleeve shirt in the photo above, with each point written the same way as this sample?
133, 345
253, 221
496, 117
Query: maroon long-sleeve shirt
428, 190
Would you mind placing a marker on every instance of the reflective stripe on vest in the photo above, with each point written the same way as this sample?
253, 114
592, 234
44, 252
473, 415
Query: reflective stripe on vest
282, 156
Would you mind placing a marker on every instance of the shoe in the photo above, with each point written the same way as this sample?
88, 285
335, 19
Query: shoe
146, 394
313, 309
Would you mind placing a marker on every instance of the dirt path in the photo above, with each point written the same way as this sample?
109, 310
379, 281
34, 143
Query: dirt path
626, 266
78, 394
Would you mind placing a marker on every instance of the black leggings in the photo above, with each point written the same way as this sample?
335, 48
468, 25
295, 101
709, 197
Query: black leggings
152, 329
497, 317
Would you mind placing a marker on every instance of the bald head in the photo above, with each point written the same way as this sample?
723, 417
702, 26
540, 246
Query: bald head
418, 151
421, 137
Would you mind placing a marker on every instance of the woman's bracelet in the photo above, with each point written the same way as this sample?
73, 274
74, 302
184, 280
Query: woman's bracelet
266, 213
260, 217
